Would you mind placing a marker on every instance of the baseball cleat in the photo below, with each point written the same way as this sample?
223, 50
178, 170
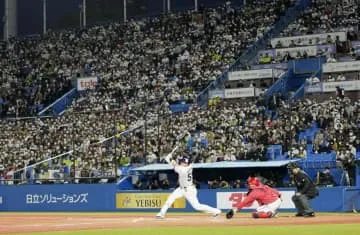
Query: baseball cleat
159, 216
275, 215
216, 215
308, 215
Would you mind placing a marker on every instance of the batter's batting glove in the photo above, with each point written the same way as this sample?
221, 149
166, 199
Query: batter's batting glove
230, 214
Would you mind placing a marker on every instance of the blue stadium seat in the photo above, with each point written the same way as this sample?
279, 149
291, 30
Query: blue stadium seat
302, 136
274, 152
318, 161
284, 156
309, 148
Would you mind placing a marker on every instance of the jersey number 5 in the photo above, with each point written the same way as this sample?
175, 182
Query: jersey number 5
189, 178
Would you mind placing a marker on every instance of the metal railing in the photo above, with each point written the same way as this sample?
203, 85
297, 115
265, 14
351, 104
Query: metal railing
61, 180
60, 104
278, 86
299, 93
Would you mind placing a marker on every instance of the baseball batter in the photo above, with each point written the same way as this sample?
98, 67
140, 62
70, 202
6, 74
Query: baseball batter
186, 188
268, 198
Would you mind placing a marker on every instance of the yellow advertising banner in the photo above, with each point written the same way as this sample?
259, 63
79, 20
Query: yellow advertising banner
145, 200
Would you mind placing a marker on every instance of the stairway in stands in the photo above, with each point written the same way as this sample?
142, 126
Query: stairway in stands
249, 56
59, 106
292, 84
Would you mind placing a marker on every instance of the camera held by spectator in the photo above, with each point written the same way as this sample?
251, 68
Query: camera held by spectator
325, 178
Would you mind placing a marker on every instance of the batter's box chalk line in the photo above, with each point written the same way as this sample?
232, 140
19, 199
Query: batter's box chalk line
138, 220
169, 219
99, 219
217, 220
71, 224
175, 219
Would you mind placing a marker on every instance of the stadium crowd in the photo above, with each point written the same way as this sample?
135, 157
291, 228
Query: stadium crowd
321, 17
324, 16
144, 66
224, 132
174, 55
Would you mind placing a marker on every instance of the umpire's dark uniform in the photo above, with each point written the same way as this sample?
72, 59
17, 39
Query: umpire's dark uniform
307, 190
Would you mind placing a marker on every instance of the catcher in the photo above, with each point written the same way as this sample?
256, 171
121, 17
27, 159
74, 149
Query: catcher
269, 200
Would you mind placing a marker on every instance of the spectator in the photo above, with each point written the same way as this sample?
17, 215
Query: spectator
325, 178
213, 184
297, 152
224, 184
331, 59
164, 184
313, 80
340, 92
320, 18
341, 77
139, 185
153, 184
237, 184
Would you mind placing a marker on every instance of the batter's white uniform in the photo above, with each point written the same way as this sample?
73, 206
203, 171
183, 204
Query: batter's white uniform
186, 189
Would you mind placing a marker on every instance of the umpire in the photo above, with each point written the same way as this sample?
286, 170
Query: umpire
306, 190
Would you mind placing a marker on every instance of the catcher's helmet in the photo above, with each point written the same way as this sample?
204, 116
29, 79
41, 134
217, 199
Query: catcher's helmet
253, 182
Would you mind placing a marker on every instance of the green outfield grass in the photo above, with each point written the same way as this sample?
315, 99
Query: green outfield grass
346, 229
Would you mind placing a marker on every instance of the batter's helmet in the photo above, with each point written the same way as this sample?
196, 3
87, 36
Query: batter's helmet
184, 159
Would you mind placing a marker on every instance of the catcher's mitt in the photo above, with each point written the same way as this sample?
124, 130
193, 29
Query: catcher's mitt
230, 214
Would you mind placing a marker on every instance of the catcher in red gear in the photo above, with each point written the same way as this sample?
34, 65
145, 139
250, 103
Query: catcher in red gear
269, 200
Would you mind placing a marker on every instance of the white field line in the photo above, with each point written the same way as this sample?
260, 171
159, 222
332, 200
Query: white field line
138, 219
98, 219
90, 221
28, 217
68, 218
93, 222
218, 220
175, 219
75, 224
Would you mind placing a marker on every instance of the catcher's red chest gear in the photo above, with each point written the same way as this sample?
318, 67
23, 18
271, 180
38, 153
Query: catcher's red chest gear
262, 194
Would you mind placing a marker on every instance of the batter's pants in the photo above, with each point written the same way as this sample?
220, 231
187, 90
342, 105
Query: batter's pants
190, 193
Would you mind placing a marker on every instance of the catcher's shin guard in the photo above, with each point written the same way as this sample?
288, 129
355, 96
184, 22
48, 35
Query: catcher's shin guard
261, 215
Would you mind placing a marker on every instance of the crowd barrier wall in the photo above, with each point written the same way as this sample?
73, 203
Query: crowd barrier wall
105, 197
305, 66
178, 108
351, 199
